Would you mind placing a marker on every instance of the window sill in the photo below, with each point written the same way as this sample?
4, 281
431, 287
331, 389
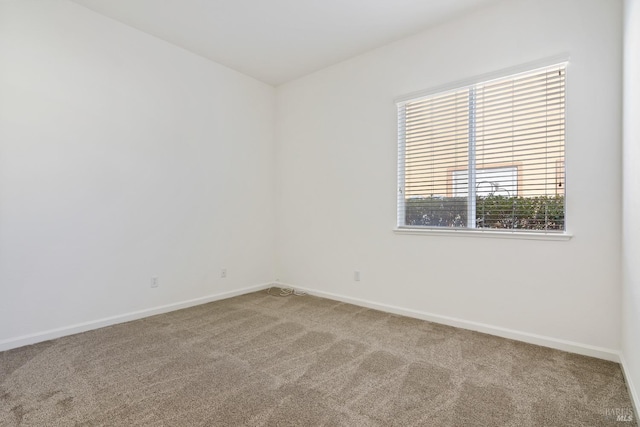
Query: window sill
495, 234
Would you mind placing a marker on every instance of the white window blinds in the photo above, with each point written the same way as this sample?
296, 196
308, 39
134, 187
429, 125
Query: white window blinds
488, 155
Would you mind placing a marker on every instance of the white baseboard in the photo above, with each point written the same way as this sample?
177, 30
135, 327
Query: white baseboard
558, 344
573, 347
16, 342
633, 391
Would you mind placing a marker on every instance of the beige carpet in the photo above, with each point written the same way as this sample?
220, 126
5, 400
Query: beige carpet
261, 360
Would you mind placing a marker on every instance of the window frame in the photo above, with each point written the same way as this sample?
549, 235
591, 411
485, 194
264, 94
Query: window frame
402, 228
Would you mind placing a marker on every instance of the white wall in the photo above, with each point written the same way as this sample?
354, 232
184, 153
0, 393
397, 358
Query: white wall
336, 165
631, 200
121, 158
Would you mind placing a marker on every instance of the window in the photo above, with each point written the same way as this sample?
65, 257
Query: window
485, 156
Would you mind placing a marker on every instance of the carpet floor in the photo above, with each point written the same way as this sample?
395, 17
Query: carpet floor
263, 360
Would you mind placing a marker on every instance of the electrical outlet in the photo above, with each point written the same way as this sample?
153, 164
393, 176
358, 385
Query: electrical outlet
356, 276
223, 273
154, 282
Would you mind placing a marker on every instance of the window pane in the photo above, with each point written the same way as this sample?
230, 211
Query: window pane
510, 130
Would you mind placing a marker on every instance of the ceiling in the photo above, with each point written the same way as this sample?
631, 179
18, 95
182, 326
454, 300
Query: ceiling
276, 41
